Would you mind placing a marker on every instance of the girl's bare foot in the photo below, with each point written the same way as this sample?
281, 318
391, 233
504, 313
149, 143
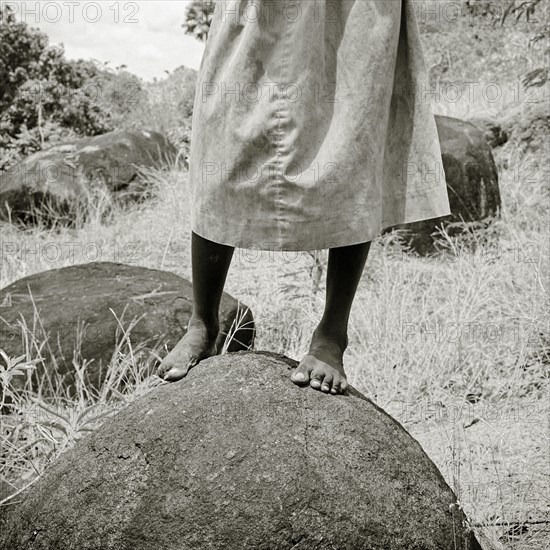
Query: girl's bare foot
198, 343
322, 368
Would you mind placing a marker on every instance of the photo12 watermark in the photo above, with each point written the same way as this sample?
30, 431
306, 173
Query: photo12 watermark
74, 252
72, 11
466, 413
471, 332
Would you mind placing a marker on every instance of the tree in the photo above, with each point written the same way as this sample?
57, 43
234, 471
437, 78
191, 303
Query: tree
198, 18
45, 98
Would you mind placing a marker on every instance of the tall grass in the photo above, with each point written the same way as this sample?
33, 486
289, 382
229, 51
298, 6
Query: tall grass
464, 330
455, 346
41, 418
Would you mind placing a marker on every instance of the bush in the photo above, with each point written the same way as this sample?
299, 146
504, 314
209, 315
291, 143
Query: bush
166, 106
45, 98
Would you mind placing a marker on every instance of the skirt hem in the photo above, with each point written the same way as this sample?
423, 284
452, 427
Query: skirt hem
340, 238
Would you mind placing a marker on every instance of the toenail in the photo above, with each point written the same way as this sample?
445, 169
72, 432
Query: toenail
299, 376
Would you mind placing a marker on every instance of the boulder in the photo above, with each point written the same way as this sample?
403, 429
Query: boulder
493, 130
237, 457
63, 175
472, 183
78, 297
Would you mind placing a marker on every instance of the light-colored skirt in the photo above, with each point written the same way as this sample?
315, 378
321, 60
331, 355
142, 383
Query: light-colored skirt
312, 125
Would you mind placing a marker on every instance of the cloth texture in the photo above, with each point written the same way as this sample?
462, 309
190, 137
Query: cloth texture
313, 125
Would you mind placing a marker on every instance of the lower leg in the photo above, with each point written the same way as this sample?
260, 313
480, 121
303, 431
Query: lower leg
322, 367
210, 264
345, 267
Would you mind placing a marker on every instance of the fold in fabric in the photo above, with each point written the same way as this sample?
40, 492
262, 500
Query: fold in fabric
312, 125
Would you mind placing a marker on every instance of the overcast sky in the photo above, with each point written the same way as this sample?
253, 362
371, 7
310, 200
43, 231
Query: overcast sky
145, 35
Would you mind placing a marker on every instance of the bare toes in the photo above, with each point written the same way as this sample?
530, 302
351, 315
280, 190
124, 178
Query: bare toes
327, 383
336, 384
163, 369
301, 375
176, 373
316, 380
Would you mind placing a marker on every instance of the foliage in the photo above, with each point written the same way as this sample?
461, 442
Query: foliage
166, 106
200, 12
527, 9
45, 98
198, 17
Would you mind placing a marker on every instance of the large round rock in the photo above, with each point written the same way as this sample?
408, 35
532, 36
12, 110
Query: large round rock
236, 457
57, 178
472, 183
76, 311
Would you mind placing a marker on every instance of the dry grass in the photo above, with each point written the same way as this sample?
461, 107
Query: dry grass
456, 347
464, 331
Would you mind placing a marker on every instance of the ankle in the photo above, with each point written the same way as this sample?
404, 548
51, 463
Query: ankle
210, 324
328, 334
